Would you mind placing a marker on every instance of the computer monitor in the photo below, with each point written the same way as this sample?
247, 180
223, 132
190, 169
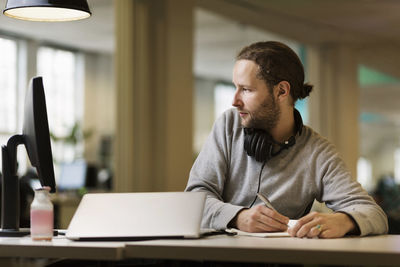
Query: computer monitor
36, 138
72, 175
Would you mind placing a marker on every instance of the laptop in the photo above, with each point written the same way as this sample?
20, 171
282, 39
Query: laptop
137, 216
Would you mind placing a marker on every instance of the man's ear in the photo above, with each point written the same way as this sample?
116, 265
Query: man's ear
282, 90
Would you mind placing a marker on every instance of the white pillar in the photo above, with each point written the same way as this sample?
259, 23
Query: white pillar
154, 81
334, 103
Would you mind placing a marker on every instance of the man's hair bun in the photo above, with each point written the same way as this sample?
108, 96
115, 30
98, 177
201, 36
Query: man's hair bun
307, 88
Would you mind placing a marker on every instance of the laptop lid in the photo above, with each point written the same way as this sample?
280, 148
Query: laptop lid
132, 216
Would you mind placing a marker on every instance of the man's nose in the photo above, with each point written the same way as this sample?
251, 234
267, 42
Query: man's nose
237, 102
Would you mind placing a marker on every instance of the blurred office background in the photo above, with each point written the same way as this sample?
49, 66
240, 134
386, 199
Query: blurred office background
134, 90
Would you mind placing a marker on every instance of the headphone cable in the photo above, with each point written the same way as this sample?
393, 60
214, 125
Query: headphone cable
259, 183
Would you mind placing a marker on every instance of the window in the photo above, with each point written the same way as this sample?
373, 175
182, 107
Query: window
364, 170
8, 90
64, 99
62, 73
397, 165
223, 97
302, 106
8, 87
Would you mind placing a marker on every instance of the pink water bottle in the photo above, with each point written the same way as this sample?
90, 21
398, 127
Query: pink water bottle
42, 215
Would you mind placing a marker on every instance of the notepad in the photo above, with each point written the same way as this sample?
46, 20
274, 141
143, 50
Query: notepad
267, 234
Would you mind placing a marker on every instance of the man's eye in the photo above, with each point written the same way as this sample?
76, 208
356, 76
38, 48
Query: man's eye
246, 90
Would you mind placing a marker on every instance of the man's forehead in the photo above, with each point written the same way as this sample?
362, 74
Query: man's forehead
244, 72
244, 65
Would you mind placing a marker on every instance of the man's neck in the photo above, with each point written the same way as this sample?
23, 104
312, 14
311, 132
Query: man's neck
285, 127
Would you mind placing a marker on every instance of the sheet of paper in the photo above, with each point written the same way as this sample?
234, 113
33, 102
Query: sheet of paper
273, 234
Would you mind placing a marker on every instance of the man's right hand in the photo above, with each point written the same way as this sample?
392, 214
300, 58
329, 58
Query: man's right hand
260, 219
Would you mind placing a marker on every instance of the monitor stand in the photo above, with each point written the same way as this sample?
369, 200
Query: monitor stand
15, 233
10, 200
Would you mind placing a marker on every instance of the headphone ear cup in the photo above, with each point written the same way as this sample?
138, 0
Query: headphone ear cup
247, 140
257, 145
254, 143
250, 141
261, 148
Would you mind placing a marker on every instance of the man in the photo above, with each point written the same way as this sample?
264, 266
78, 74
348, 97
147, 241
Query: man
263, 147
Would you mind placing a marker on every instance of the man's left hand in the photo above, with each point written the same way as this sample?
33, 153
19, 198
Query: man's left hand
323, 225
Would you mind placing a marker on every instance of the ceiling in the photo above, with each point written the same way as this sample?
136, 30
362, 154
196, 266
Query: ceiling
316, 21
224, 26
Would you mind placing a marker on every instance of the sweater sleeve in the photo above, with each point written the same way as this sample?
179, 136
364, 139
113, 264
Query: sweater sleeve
209, 173
341, 193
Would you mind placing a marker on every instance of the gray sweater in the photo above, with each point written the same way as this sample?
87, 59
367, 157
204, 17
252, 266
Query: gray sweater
309, 170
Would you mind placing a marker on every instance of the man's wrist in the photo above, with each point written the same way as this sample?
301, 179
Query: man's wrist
353, 229
233, 222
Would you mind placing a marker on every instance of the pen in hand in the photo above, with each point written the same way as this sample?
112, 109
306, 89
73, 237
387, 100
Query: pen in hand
266, 201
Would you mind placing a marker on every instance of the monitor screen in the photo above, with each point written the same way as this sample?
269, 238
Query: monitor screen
72, 175
36, 133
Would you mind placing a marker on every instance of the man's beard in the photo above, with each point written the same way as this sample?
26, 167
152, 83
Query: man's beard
265, 117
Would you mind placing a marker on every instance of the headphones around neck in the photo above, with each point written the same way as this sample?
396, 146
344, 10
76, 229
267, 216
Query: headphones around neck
259, 144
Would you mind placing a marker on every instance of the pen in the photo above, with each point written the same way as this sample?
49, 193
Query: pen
266, 201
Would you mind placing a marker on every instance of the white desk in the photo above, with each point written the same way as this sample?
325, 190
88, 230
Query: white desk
60, 247
378, 250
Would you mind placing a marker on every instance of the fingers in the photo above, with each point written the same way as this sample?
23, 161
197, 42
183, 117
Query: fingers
271, 225
293, 231
261, 219
311, 229
322, 225
272, 219
274, 214
328, 234
311, 225
315, 231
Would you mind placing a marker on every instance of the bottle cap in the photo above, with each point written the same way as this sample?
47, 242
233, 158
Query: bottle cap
44, 188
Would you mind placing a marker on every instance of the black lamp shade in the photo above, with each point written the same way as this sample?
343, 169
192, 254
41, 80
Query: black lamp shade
49, 10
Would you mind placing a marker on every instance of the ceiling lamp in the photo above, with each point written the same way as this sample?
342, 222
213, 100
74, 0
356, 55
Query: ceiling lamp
49, 10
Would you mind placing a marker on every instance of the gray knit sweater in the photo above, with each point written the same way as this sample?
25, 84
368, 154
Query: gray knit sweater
309, 170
